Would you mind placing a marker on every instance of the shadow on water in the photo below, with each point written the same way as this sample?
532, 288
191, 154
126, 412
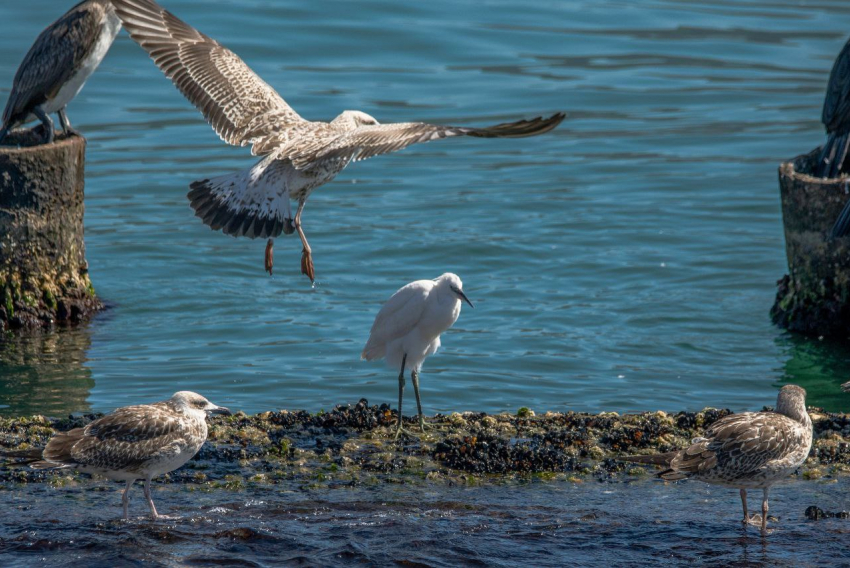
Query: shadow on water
45, 373
819, 366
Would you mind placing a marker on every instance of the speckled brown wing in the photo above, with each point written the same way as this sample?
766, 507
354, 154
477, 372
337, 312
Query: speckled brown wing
739, 443
52, 59
241, 107
373, 140
126, 438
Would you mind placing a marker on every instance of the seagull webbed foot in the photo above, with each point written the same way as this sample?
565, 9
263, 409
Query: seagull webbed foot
307, 264
269, 259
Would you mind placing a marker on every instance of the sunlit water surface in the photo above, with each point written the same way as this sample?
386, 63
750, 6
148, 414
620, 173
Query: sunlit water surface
626, 261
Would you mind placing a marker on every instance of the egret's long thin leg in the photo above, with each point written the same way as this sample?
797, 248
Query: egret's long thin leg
66, 124
125, 499
47, 122
400, 394
744, 504
269, 261
414, 376
764, 512
147, 486
306, 253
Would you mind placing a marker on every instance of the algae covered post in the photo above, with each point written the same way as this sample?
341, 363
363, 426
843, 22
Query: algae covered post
814, 297
43, 270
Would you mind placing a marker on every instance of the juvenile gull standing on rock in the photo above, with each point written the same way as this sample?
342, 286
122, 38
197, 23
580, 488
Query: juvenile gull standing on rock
298, 155
58, 65
133, 442
751, 450
408, 328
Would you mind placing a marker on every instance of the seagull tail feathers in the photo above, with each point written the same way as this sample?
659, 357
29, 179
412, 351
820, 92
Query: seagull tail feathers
25, 457
664, 460
846, 387
519, 129
213, 201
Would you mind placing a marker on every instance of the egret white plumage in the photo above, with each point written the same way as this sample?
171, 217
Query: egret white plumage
407, 329
133, 442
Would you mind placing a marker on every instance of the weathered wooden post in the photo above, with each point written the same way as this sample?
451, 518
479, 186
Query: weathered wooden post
814, 297
44, 276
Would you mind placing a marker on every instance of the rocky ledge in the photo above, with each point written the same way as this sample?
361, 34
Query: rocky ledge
353, 444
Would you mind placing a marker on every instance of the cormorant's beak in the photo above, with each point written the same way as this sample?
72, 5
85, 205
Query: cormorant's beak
460, 293
219, 410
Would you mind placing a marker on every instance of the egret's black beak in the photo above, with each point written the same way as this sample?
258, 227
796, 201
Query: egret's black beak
220, 410
463, 297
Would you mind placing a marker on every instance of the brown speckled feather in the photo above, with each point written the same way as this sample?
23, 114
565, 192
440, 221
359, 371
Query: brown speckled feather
127, 438
241, 107
373, 140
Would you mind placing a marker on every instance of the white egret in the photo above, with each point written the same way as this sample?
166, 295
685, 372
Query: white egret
408, 327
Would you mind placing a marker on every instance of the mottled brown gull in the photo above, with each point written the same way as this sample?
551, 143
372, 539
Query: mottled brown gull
298, 155
133, 442
58, 64
751, 450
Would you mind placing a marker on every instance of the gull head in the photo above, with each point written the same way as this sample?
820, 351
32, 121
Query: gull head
792, 402
352, 119
188, 401
453, 284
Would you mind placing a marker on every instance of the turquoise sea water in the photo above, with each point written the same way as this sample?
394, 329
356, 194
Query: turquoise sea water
626, 261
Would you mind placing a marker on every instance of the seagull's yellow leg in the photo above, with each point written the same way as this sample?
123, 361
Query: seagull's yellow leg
306, 253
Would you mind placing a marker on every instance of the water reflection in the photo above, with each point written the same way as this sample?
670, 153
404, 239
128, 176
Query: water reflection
45, 373
819, 366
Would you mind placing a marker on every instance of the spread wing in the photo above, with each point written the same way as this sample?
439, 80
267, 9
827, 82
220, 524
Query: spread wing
51, 60
372, 140
241, 107
125, 438
743, 442
397, 317
836, 105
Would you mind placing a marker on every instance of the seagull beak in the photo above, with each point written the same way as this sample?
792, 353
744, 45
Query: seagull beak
463, 296
219, 410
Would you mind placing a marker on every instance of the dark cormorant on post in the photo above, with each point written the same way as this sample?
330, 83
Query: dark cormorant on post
836, 119
58, 64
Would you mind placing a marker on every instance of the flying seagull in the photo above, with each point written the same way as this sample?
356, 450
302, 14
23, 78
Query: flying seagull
58, 65
408, 328
133, 442
298, 155
751, 450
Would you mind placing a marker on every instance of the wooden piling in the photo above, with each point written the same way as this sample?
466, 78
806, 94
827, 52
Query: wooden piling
814, 297
44, 277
